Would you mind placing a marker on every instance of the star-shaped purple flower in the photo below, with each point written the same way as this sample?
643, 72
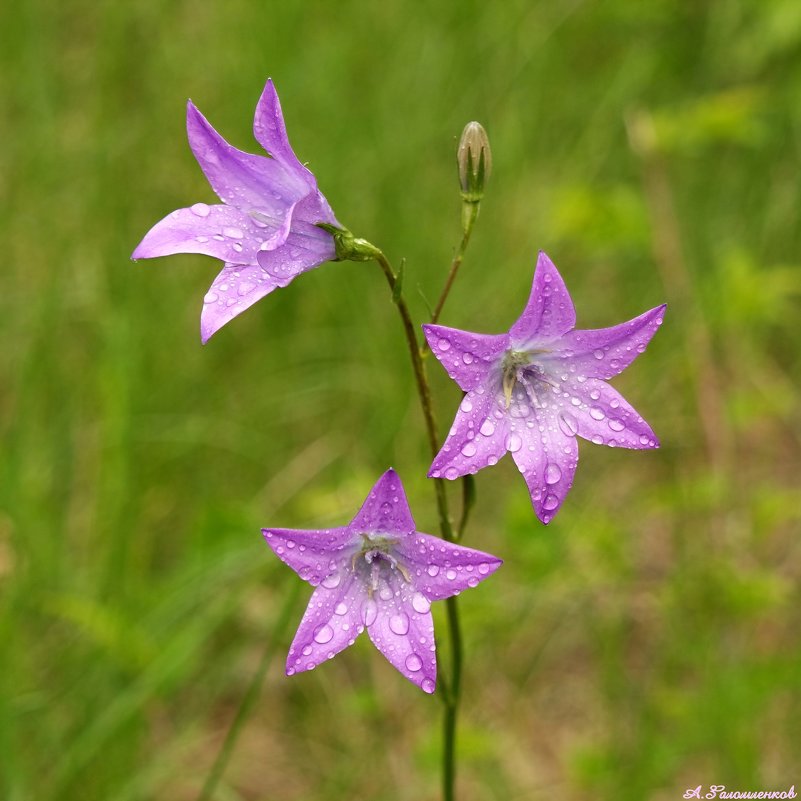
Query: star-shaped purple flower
378, 573
533, 390
265, 228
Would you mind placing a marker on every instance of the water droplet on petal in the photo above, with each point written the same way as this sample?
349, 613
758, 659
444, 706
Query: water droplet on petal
487, 428
201, 209
443, 344
341, 609
616, 425
211, 297
329, 582
568, 424
413, 663
483, 568
514, 443
599, 354
433, 570
466, 404
551, 502
450, 574
427, 686
399, 624
467, 358
233, 233
369, 612
597, 413
420, 603
324, 634
553, 473
468, 449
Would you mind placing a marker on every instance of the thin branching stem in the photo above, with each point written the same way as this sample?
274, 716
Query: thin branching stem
251, 695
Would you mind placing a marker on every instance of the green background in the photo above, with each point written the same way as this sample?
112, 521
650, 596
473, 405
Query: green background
647, 641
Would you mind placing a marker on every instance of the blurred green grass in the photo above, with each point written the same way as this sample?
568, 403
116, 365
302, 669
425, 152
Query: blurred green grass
648, 640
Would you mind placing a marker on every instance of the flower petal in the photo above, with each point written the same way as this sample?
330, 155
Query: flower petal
242, 179
313, 555
477, 438
303, 250
469, 358
270, 132
441, 569
547, 457
404, 633
605, 352
605, 417
331, 623
219, 231
385, 510
235, 289
549, 312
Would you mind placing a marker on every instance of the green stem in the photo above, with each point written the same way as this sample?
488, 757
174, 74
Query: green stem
469, 216
452, 689
251, 695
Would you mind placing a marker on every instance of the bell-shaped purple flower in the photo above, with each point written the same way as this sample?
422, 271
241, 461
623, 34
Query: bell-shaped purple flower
377, 573
533, 390
264, 231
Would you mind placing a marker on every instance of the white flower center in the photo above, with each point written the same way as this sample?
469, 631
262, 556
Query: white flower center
376, 559
523, 376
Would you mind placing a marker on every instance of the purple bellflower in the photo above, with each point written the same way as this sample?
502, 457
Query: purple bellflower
533, 390
378, 573
264, 231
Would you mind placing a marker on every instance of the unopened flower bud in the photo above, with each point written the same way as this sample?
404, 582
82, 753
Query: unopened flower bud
474, 160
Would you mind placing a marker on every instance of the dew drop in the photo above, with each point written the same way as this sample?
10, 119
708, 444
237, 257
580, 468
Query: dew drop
329, 582
514, 443
467, 358
568, 424
420, 603
201, 210
399, 624
550, 503
211, 297
324, 634
369, 612
483, 568
444, 345
487, 428
427, 686
466, 404
468, 449
413, 663
599, 354
341, 609
233, 233
450, 574
616, 425
596, 413
553, 473
433, 570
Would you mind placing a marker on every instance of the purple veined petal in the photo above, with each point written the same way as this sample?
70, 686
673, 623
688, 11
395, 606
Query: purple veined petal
440, 569
469, 358
300, 253
313, 555
549, 312
385, 510
236, 288
332, 622
402, 628
313, 209
218, 231
477, 437
546, 453
605, 352
270, 132
241, 179
603, 416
